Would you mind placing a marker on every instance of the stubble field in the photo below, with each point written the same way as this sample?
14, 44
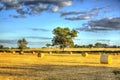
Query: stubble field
56, 67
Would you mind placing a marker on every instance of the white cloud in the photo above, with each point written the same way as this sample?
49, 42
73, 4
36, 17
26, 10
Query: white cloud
55, 9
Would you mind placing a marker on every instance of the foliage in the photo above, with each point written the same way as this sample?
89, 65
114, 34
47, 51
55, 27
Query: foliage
64, 37
100, 45
22, 43
76, 46
48, 45
96, 45
90, 45
1, 46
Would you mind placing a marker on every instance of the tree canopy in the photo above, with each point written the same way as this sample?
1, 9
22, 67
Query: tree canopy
100, 45
48, 45
22, 43
1, 46
63, 37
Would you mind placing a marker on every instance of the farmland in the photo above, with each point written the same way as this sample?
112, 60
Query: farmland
56, 67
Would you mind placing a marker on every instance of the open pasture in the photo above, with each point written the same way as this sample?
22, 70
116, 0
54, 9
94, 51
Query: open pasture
56, 67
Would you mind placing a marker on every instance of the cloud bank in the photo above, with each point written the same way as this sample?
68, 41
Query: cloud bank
105, 24
82, 15
8, 41
23, 7
32, 7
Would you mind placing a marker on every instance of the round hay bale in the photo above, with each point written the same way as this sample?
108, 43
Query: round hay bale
50, 52
84, 54
21, 52
71, 53
33, 52
4, 52
13, 52
40, 55
105, 59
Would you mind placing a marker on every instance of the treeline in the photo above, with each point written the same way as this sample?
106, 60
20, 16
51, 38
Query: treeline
96, 45
63, 38
22, 44
3, 47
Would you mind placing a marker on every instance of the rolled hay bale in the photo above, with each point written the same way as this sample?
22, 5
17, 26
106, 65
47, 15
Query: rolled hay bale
13, 52
71, 53
4, 52
84, 54
40, 55
50, 53
21, 52
33, 52
105, 59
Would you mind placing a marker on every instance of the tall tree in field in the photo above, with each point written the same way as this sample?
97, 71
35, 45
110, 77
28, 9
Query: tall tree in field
22, 43
63, 37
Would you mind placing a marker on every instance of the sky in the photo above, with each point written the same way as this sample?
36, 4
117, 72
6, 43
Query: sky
34, 20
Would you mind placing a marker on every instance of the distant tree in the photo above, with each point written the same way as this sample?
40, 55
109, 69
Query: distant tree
22, 43
114, 46
101, 45
98, 45
64, 37
105, 45
1, 46
83, 46
76, 46
13, 48
6, 48
90, 45
48, 45
118, 46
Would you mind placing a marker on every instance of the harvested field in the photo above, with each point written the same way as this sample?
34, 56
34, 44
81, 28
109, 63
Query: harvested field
56, 67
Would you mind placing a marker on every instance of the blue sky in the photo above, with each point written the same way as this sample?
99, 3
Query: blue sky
96, 21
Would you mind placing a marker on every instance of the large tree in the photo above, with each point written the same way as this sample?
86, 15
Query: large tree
63, 37
22, 43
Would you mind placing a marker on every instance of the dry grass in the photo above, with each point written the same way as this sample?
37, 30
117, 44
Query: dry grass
56, 67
